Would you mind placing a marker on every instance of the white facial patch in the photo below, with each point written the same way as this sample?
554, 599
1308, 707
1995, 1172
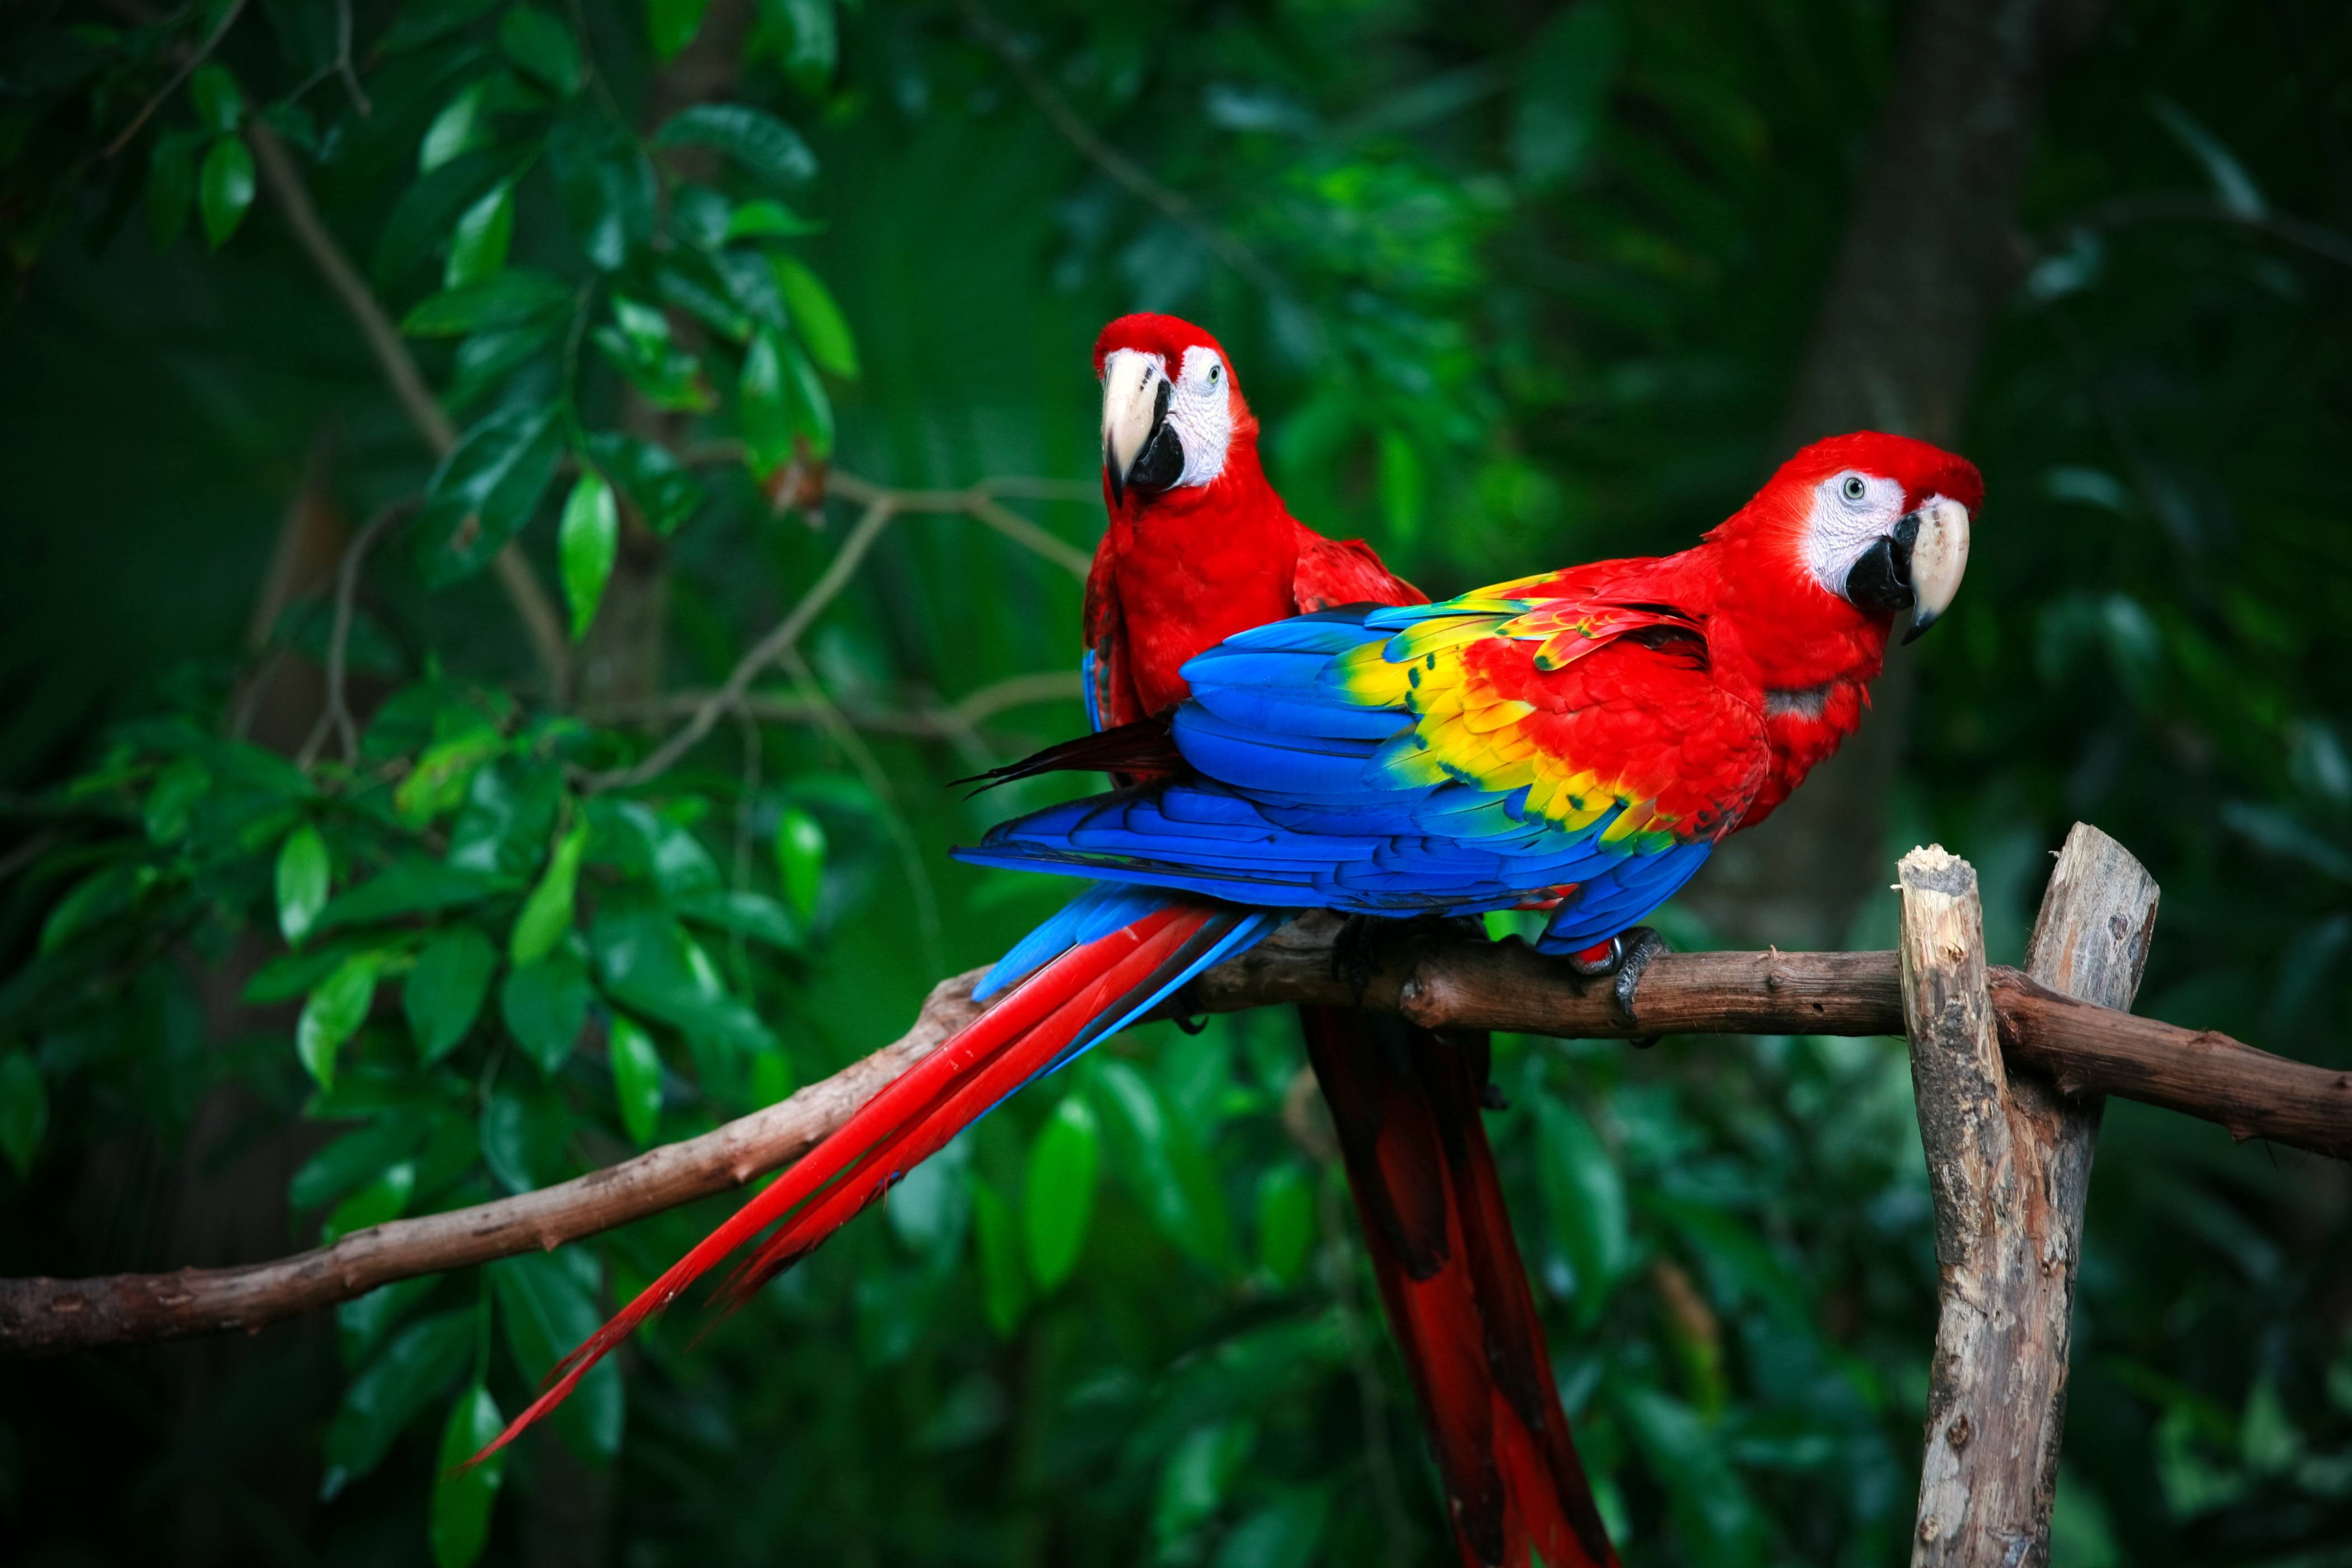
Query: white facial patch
1852, 511
1201, 409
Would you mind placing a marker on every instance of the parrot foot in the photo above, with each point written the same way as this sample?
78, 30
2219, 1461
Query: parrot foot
1186, 1014
1622, 959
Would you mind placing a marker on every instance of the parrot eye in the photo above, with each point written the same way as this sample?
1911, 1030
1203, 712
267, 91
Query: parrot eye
1215, 372
1854, 488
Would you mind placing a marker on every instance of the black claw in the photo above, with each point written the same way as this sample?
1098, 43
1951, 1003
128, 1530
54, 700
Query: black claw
1187, 1015
1492, 1098
1634, 950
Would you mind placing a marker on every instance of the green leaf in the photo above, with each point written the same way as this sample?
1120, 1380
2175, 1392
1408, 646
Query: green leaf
509, 816
818, 321
95, 898
1586, 1196
444, 993
1285, 1221
225, 189
305, 876
1710, 1505
444, 774
586, 544
510, 298
607, 186
669, 377
767, 219
462, 1495
542, 47
765, 146
334, 1014
487, 489
358, 1158
24, 1109
429, 208
649, 477
363, 1322
174, 796
1564, 98
384, 1198
1163, 1162
741, 912
393, 1391
1283, 1534
636, 1078
671, 24
648, 964
426, 20
545, 1006
1004, 1283
547, 1305
800, 859
410, 887
463, 126
546, 915
171, 186
1059, 1197
478, 247
815, 45
218, 103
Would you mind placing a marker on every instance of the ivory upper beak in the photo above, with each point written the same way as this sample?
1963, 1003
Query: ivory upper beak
1940, 559
1131, 408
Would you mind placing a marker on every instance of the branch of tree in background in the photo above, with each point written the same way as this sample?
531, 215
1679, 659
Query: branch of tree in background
1438, 978
189, 61
1110, 160
881, 504
2199, 207
540, 623
336, 717
941, 721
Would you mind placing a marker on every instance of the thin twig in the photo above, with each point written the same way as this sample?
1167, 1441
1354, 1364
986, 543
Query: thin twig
763, 653
337, 715
1110, 160
25, 854
869, 768
2197, 206
187, 68
541, 624
947, 722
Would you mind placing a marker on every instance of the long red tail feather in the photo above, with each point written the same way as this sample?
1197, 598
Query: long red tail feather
1407, 1110
910, 1119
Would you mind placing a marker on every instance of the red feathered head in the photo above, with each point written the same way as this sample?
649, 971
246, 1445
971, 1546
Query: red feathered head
1173, 410
1878, 521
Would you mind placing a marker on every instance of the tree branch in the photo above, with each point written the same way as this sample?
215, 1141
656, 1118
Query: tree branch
1438, 980
532, 607
1110, 160
761, 654
187, 67
337, 716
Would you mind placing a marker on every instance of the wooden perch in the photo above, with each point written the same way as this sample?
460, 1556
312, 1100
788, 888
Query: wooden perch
1440, 978
2008, 1162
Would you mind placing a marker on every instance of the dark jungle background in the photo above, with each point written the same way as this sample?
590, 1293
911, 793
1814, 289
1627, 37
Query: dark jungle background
1510, 286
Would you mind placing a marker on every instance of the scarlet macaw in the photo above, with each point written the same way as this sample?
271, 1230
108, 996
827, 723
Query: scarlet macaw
1576, 740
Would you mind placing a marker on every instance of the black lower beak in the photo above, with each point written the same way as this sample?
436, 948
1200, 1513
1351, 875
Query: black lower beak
1158, 465
1880, 583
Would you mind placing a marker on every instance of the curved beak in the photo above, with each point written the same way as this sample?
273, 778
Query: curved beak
1917, 567
1141, 451
1940, 559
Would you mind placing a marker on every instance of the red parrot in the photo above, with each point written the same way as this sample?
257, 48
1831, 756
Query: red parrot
1576, 740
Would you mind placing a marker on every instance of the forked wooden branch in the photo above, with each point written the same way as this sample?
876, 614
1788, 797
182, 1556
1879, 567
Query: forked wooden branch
1438, 979
2008, 1160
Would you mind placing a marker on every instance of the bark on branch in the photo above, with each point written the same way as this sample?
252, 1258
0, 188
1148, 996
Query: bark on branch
2009, 1154
1438, 979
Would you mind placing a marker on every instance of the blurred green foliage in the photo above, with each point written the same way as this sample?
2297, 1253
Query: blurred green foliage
1509, 287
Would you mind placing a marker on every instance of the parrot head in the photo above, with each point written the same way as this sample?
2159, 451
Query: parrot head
1879, 522
1172, 412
